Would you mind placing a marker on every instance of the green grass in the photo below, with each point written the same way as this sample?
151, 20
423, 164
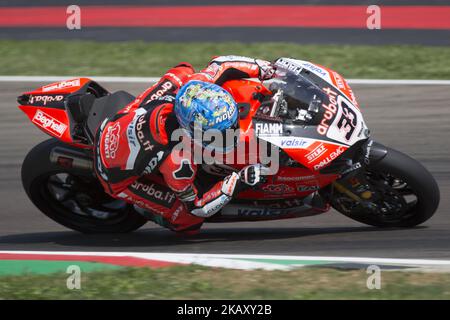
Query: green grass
152, 59
18, 267
196, 282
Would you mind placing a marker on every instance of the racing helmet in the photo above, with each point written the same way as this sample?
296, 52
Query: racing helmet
206, 106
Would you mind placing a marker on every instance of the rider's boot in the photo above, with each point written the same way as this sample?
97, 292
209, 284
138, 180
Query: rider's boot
163, 222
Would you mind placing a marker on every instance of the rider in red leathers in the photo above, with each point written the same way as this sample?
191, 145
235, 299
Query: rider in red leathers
134, 156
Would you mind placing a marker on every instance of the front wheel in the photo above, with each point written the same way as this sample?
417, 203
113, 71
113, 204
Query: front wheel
76, 201
402, 194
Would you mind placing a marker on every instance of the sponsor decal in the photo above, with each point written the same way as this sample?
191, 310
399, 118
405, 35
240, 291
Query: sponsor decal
333, 155
293, 142
344, 87
153, 162
301, 178
162, 89
289, 142
330, 111
44, 99
348, 121
353, 167
111, 142
100, 170
295, 68
306, 188
289, 203
47, 122
61, 85
155, 192
176, 213
207, 197
277, 188
314, 68
131, 134
261, 212
212, 207
264, 128
339, 81
132, 139
167, 98
229, 184
367, 154
140, 203
175, 77
316, 153
228, 114
141, 121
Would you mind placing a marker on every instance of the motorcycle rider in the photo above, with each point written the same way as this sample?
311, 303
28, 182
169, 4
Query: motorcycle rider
134, 157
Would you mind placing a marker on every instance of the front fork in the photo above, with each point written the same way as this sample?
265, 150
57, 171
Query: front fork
353, 182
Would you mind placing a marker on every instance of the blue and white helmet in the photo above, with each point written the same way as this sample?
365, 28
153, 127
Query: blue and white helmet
206, 106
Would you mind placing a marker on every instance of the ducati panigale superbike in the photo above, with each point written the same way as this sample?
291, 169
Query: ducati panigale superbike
308, 113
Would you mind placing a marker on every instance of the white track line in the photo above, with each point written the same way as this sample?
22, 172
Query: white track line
154, 79
187, 257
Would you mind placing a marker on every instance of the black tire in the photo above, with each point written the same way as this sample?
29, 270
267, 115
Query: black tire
37, 171
417, 178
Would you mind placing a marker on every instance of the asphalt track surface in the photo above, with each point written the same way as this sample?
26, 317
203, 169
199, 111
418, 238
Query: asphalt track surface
412, 119
233, 34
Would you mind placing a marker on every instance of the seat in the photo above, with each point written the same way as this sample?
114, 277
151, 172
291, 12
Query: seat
106, 107
79, 106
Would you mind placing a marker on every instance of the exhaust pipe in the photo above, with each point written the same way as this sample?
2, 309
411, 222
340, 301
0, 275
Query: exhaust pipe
72, 159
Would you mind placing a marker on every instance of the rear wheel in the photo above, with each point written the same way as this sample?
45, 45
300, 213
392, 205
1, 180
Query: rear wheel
72, 199
403, 194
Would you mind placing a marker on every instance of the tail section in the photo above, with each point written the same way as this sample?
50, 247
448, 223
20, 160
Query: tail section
51, 107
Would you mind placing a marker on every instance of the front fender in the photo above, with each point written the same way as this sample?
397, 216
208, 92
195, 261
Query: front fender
375, 152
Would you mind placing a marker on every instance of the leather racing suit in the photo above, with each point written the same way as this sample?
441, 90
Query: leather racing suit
134, 157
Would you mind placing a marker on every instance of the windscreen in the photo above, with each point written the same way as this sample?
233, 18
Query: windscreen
297, 89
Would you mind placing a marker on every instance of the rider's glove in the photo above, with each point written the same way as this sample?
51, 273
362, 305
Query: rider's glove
266, 69
249, 176
231, 186
253, 174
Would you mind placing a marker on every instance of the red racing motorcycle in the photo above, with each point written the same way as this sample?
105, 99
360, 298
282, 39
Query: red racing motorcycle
307, 113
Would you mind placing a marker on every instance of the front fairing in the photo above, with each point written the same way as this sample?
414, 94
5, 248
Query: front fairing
337, 125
